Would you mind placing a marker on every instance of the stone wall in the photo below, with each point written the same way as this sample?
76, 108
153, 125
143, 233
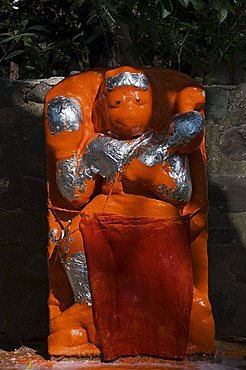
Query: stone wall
226, 149
23, 270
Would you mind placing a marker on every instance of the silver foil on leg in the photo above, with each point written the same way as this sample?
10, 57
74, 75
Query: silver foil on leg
75, 265
64, 114
53, 236
76, 269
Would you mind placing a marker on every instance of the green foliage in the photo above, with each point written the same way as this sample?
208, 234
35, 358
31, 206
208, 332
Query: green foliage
54, 37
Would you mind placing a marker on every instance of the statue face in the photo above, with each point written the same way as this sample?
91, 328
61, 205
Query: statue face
129, 111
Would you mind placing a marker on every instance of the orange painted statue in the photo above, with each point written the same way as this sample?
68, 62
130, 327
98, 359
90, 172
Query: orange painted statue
127, 214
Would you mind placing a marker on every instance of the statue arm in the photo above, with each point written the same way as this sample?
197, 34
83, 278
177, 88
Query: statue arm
68, 127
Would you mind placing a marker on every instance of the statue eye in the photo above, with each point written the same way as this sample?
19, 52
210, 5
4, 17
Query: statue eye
138, 99
118, 101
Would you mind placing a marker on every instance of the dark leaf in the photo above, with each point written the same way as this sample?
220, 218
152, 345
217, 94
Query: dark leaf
185, 3
14, 54
76, 4
38, 27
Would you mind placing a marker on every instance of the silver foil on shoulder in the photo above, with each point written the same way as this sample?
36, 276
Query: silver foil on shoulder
186, 126
66, 178
64, 114
180, 172
76, 269
138, 80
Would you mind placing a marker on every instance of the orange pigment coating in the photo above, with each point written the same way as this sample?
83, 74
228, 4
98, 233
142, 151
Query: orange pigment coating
72, 331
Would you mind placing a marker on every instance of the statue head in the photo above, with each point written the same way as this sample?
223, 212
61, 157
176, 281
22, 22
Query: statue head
123, 108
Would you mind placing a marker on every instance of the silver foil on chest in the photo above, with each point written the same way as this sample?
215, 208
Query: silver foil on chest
76, 269
106, 157
180, 172
138, 80
64, 114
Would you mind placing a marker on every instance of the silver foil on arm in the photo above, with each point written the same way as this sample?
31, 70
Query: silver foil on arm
76, 269
64, 114
66, 178
138, 80
186, 126
155, 149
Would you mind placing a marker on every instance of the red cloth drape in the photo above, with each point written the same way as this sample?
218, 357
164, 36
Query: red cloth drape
140, 273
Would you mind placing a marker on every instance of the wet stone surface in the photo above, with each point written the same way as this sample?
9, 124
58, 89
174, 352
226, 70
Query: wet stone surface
229, 356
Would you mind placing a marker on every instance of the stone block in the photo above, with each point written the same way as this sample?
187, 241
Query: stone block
23, 277
38, 93
22, 192
227, 193
22, 141
216, 103
10, 92
24, 295
227, 288
233, 143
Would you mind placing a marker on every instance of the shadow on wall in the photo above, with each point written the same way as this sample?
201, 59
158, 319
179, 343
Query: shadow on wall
227, 260
23, 228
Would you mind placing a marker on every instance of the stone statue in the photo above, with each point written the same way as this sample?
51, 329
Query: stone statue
127, 213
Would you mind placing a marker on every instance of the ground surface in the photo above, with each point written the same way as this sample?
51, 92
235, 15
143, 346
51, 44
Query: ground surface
229, 356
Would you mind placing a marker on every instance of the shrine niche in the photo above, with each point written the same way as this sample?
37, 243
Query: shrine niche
127, 213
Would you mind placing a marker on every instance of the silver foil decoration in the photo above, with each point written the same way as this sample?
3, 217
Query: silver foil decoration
155, 149
76, 269
186, 126
64, 114
66, 245
107, 156
138, 80
53, 235
75, 265
180, 172
66, 178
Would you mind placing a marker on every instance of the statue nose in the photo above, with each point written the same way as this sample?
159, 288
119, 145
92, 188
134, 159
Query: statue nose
128, 102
